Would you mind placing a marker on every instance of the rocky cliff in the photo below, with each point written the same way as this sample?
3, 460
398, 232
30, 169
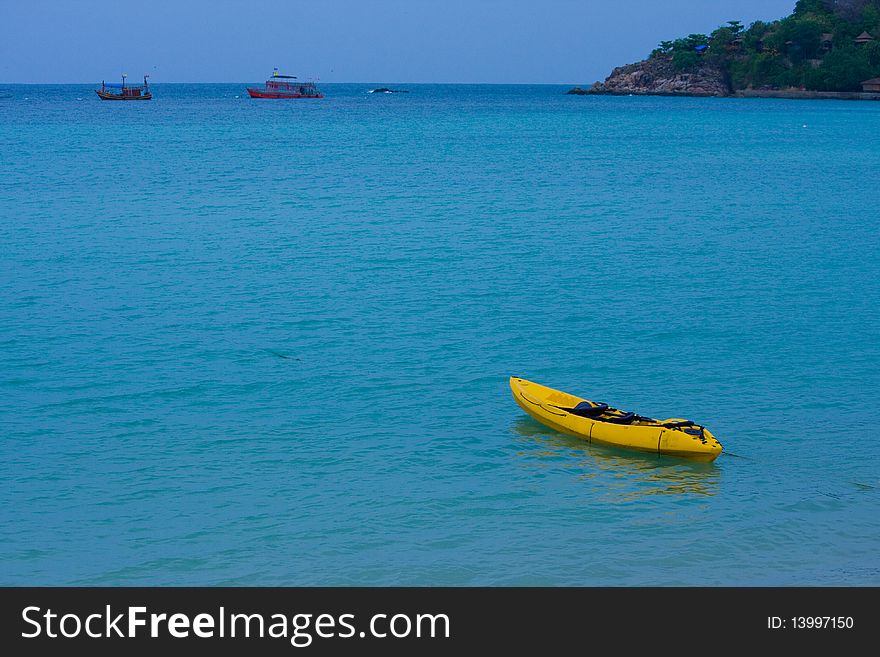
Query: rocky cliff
657, 75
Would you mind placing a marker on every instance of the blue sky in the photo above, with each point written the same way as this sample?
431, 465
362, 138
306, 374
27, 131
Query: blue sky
517, 41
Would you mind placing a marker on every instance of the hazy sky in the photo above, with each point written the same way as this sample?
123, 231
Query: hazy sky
559, 41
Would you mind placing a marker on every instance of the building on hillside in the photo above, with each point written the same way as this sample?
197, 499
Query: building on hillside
864, 37
872, 85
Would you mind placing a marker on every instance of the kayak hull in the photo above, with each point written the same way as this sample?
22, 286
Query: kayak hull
547, 405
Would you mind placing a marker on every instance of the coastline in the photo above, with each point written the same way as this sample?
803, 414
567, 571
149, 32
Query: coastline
791, 94
807, 95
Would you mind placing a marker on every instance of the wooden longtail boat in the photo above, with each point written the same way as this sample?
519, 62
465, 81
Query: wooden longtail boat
123, 91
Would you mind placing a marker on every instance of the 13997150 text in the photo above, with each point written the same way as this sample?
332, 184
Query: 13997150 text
810, 623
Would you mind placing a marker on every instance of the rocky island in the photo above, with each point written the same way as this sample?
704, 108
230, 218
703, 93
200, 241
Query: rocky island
658, 75
825, 49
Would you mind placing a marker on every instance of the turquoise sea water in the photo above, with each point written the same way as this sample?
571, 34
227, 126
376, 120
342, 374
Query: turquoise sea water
257, 342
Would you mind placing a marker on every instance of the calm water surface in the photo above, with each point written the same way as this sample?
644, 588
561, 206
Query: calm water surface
255, 342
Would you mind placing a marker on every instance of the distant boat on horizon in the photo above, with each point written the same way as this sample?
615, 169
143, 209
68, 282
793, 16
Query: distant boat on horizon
285, 86
126, 92
386, 90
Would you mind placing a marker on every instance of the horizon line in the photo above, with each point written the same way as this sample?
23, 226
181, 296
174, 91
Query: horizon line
305, 79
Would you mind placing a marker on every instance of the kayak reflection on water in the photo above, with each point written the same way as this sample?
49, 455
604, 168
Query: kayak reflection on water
623, 474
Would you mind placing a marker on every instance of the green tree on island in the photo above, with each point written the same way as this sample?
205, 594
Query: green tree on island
822, 46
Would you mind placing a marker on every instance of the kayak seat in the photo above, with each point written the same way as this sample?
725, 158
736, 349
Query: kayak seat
686, 426
586, 409
626, 418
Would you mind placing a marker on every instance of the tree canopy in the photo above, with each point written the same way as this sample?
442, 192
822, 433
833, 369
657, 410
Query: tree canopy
814, 48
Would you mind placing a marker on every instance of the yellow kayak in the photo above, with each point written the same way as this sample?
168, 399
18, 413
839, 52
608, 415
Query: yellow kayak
599, 423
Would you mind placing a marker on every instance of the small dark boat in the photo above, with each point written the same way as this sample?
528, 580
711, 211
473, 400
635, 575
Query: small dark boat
285, 86
386, 90
124, 91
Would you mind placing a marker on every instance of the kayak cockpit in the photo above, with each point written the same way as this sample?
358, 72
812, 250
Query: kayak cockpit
602, 412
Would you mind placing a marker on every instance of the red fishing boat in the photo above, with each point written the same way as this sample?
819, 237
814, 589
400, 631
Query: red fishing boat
123, 91
285, 86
